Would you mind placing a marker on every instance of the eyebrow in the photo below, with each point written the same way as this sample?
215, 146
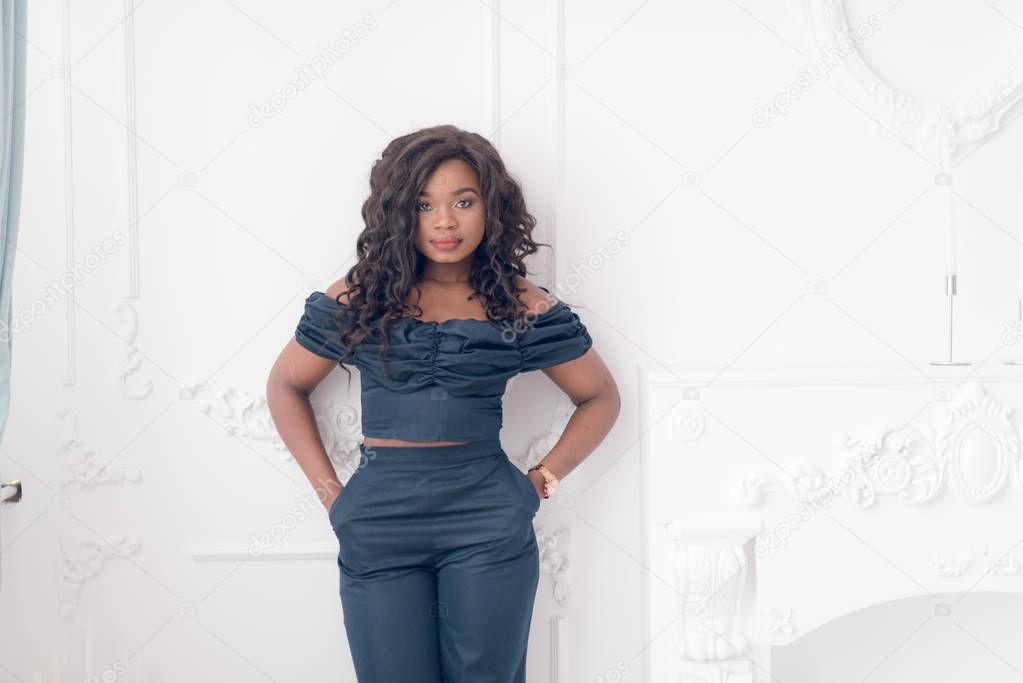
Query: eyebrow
424, 193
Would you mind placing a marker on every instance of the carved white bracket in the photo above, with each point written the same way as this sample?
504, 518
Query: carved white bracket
710, 567
555, 561
84, 465
341, 431
248, 416
84, 563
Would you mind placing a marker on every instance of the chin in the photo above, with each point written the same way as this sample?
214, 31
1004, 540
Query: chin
443, 256
459, 252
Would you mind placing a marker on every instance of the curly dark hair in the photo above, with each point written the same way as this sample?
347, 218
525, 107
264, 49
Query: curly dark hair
389, 264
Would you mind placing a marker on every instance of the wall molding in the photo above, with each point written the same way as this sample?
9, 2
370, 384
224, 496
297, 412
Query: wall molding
556, 562
247, 416
981, 559
84, 465
695, 378
131, 147
83, 563
133, 385
972, 447
237, 552
70, 310
917, 121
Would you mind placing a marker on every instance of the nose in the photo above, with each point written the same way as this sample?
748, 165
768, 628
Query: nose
445, 219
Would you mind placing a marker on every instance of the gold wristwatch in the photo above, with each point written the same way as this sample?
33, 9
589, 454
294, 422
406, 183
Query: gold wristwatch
550, 482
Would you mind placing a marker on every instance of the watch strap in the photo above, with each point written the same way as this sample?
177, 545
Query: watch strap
548, 477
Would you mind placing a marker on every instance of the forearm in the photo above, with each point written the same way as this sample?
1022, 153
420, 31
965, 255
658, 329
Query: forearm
293, 417
589, 424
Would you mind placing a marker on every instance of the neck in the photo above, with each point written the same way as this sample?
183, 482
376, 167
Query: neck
447, 273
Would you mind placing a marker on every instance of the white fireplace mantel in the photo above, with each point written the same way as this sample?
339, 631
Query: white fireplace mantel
777, 500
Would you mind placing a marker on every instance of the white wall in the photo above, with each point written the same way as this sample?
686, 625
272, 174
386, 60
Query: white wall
684, 232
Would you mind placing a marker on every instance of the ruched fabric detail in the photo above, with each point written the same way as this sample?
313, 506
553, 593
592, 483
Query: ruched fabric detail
556, 336
445, 380
317, 330
465, 357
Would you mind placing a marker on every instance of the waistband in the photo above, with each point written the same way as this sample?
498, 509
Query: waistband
427, 457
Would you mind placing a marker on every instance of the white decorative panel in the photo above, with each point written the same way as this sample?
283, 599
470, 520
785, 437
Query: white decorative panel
814, 493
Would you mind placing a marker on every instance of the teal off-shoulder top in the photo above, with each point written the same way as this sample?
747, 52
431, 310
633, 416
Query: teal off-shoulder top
446, 380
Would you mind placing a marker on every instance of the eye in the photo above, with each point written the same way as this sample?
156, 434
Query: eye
469, 203
420, 205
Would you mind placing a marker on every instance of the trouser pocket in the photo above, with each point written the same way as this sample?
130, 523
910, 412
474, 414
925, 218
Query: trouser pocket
336, 514
528, 493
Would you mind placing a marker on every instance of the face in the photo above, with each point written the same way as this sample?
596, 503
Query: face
450, 213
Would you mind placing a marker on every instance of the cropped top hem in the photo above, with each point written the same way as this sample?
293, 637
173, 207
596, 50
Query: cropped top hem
430, 438
444, 380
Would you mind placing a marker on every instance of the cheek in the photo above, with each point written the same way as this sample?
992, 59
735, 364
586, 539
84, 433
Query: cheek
476, 224
422, 231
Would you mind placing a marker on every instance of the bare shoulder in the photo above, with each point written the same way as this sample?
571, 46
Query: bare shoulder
534, 298
338, 289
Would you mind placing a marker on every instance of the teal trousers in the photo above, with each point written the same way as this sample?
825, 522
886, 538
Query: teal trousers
438, 564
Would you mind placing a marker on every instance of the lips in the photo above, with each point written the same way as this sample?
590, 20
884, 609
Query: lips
446, 242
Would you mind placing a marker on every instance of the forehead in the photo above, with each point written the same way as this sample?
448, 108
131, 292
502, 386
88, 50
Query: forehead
451, 175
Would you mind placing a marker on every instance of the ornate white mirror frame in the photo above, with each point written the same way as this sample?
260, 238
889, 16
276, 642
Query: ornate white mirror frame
936, 130
921, 123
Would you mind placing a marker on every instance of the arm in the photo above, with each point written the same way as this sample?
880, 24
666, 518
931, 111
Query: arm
588, 382
593, 391
295, 374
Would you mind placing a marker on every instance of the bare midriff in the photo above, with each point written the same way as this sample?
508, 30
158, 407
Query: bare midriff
385, 441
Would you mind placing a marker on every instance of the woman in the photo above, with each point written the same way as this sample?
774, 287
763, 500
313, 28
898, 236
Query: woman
438, 559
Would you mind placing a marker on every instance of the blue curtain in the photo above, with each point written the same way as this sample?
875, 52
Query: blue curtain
12, 137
